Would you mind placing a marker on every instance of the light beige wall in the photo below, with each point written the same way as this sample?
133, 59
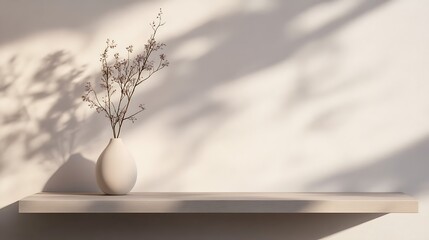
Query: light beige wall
260, 96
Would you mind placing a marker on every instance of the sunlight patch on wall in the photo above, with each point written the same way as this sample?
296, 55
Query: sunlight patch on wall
195, 48
258, 5
324, 13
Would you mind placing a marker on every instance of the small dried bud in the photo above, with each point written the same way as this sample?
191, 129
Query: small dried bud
165, 63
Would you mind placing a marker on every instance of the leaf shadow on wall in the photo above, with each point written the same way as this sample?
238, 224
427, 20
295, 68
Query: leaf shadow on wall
52, 97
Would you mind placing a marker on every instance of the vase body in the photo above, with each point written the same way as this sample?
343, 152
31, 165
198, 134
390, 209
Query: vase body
116, 169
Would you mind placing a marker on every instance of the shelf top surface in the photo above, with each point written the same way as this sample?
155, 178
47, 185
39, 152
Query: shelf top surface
219, 202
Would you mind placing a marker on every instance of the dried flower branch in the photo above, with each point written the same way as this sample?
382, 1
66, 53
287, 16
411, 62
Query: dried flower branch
121, 76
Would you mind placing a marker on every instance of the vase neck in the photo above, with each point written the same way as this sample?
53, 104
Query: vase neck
114, 140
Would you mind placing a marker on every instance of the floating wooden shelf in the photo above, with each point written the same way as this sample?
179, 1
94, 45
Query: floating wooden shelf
217, 202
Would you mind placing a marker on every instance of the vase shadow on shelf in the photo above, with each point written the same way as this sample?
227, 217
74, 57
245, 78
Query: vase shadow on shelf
77, 174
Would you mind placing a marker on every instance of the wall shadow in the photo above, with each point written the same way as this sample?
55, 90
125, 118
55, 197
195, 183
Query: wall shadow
176, 226
251, 41
403, 171
21, 19
53, 88
242, 37
77, 174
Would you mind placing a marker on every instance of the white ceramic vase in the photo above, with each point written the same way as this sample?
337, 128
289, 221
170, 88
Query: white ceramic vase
116, 169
